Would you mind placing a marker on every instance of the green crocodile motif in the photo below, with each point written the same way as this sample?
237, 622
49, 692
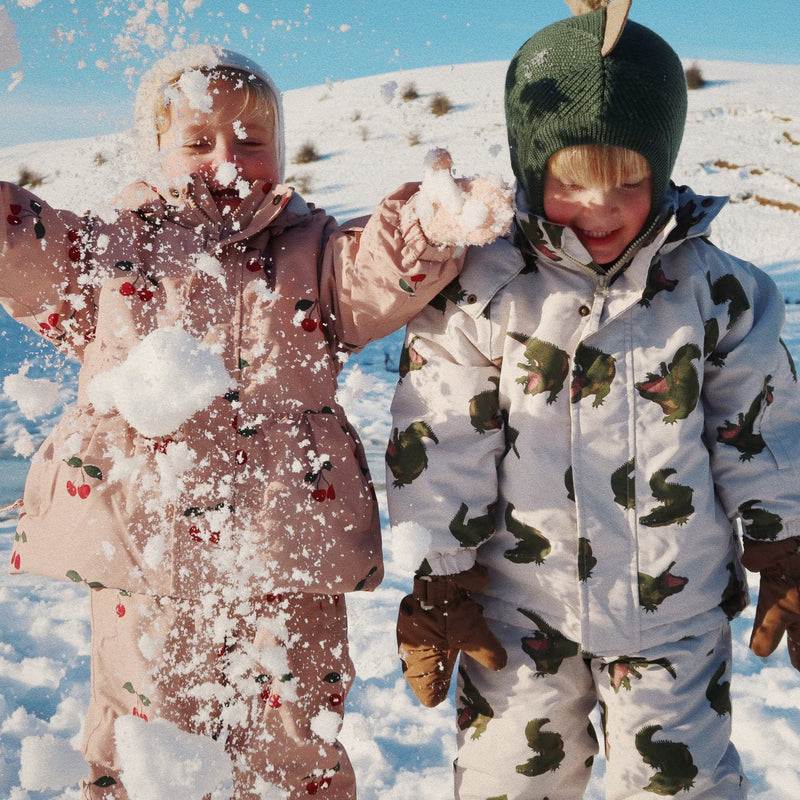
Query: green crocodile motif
675, 498
623, 485
727, 289
546, 646
653, 591
548, 745
657, 282
677, 388
471, 533
718, 692
406, 455
673, 761
592, 373
472, 709
760, 523
410, 359
546, 367
532, 546
484, 409
621, 670
742, 434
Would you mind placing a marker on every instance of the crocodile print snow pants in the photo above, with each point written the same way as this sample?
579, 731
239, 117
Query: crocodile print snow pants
524, 733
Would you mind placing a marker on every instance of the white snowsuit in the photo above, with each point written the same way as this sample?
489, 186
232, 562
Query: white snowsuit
590, 438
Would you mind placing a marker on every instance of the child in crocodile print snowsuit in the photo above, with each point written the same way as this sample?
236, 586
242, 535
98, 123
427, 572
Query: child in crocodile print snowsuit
218, 542
583, 421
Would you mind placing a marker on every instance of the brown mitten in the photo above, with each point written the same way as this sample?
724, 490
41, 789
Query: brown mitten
437, 621
778, 609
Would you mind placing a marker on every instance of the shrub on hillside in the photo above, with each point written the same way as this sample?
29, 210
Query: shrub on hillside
694, 77
306, 154
440, 104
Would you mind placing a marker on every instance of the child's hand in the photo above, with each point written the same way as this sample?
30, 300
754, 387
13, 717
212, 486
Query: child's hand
436, 622
470, 211
778, 610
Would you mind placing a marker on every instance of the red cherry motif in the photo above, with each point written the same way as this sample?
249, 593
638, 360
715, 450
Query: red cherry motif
53, 319
308, 324
15, 208
335, 700
84, 490
274, 701
127, 289
15, 560
72, 489
418, 278
120, 609
145, 294
253, 265
319, 495
13, 219
240, 456
74, 253
330, 493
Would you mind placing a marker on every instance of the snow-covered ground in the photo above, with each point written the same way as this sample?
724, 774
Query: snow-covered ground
742, 140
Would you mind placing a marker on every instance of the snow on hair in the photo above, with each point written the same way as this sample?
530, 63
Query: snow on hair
152, 97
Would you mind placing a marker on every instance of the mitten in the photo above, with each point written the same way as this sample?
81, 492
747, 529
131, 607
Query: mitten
467, 211
778, 609
436, 622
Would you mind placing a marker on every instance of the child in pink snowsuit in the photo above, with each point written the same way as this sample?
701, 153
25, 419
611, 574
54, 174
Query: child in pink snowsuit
219, 525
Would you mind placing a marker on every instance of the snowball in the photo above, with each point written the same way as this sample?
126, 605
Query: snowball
166, 379
49, 763
194, 86
226, 173
410, 544
473, 211
208, 264
326, 725
388, 90
161, 762
34, 396
10, 55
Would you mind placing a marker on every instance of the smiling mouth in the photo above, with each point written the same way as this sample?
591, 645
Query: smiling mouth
595, 234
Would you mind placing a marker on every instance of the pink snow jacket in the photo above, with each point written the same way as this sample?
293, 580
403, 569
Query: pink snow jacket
266, 488
592, 438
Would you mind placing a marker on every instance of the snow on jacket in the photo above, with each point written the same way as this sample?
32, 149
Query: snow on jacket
266, 485
593, 438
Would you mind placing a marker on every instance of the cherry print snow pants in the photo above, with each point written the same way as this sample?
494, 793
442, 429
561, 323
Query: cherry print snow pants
267, 677
524, 732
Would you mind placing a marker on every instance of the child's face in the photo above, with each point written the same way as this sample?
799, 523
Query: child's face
605, 219
229, 148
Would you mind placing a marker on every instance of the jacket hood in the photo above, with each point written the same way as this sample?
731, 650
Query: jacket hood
175, 63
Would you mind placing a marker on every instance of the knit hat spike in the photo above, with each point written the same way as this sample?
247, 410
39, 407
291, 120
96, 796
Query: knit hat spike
616, 17
594, 78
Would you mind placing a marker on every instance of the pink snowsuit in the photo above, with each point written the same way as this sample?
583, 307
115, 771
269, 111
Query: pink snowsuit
215, 548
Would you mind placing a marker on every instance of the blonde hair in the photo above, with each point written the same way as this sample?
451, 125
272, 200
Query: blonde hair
599, 165
257, 98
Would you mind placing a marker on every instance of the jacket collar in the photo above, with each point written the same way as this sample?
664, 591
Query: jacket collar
191, 205
685, 215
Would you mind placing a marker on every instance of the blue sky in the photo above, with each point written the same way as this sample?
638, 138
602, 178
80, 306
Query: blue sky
79, 60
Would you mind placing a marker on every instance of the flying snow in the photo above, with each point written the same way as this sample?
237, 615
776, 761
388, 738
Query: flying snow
166, 379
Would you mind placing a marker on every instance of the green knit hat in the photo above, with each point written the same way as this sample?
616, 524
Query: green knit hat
560, 92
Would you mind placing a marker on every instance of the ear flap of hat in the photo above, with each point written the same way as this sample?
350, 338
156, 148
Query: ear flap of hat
616, 17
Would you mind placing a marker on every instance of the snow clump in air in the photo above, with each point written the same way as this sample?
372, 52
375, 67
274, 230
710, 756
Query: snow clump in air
34, 396
162, 762
166, 379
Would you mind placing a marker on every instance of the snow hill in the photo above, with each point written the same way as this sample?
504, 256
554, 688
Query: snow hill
742, 140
